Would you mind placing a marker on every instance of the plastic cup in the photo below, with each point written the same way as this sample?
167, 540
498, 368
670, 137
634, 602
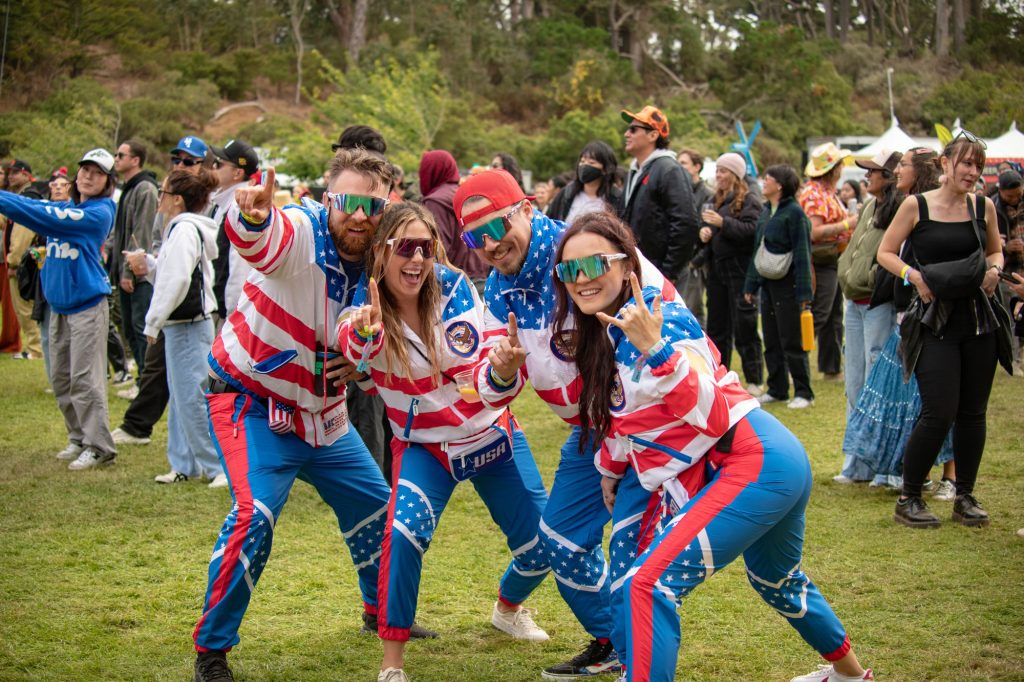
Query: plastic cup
467, 386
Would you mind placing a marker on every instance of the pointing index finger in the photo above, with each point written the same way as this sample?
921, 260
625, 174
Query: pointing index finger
513, 326
268, 184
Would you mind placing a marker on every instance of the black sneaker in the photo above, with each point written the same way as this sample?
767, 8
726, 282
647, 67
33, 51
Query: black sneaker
913, 512
415, 632
597, 658
212, 666
967, 511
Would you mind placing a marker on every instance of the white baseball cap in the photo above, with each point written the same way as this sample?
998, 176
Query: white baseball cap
101, 157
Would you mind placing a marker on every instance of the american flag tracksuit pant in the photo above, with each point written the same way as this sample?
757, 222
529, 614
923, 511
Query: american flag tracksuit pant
572, 530
261, 467
753, 505
514, 495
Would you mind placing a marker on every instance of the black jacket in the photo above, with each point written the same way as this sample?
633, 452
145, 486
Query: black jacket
560, 206
735, 238
661, 213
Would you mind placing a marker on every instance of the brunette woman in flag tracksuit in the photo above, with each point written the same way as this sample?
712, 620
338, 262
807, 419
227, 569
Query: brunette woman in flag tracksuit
520, 244
419, 336
277, 400
654, 384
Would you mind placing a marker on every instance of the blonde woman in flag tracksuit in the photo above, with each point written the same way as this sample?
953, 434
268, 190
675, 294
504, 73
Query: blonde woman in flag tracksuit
520, 244
420, 338
654, 384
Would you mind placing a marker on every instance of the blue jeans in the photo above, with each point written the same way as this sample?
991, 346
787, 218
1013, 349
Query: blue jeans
866, 334
189, 446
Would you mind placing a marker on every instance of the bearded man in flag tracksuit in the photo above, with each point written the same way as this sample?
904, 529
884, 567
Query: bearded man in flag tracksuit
277, 401
499, 222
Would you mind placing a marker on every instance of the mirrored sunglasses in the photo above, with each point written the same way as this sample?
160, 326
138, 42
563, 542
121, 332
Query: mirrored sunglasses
970, 137
348, 203
592, 267
407, 248
495, 228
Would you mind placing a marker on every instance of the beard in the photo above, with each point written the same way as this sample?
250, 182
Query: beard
349, 242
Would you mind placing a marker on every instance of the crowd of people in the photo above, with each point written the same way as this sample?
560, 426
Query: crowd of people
372, 341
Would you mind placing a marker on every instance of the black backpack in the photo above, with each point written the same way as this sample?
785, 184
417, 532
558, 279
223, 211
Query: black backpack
194, 304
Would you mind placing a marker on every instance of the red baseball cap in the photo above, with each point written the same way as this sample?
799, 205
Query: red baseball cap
495, 185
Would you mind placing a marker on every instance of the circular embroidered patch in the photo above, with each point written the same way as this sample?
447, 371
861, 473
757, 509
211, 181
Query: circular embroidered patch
618, 396
462, 338
563, 345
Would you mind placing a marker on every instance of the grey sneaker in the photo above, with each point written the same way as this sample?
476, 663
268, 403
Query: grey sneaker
122, 437
945, 490
72, 451
90, 459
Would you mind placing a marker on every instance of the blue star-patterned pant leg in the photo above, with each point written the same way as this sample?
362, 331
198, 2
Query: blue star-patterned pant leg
514, 495
262, 466
754, 505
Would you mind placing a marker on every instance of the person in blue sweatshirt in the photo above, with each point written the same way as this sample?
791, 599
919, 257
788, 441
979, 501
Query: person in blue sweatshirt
76, 286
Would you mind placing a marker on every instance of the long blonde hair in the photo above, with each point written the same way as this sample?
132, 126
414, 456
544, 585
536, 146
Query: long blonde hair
393, 225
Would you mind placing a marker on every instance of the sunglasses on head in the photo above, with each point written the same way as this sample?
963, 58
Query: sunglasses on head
591, 266
970, 137
407, 248
495, 228
633, 128
188, 163
348, 203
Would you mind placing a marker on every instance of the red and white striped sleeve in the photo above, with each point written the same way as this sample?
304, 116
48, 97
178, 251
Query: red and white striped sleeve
268, 247
611, 458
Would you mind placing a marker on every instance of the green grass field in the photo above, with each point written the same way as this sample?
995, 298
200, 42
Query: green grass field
102, 573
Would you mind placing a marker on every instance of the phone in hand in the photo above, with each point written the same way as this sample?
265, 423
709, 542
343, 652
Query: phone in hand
1007, 277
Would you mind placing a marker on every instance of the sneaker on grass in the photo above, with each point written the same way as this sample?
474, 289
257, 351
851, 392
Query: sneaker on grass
171, 476
219, 481
72, 451
599, 657
122, 437
767, 397
415, 632
123, 378
129, 393
799, 403
392, 675
518, 623
90, 459
825, 673
212, 666
945, 490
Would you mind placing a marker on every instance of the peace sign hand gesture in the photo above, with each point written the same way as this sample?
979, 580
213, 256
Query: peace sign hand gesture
507, 355
368, 320
642, 326
256, 201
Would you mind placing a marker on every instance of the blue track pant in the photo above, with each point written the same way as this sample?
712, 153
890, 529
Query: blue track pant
514, 494
753, 505
261, 466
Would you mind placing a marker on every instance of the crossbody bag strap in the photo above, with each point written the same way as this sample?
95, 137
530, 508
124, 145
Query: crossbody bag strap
974, 221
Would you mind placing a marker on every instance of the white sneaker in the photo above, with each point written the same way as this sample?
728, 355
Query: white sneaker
825, 673
72, 451
122, 378
220, 481
945, 490
90, 459
766, 398
171, 476
799, 403
122, 437
843, 480
392, 675
129, 393
519, 624
754, 390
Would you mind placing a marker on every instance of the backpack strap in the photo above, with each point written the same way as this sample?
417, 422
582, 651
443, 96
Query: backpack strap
922, 207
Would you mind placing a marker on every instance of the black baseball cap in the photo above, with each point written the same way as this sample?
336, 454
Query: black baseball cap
18, 164
1009, 180
238, 153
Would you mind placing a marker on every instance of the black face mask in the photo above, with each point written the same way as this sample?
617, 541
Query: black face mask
587, 173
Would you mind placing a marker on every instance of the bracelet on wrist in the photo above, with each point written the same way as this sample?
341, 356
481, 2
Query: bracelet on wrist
498, 381
906, 276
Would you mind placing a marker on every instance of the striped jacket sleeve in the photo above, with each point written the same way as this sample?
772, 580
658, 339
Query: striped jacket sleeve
278, 247
611, 459
491, 394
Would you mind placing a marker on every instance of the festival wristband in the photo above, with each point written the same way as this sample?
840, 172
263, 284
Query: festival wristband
252, 221
906, 276
904, 271
498, 381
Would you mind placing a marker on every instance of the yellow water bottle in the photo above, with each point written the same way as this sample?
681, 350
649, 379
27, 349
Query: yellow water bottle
807, 330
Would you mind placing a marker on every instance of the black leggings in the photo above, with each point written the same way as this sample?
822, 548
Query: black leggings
955, 376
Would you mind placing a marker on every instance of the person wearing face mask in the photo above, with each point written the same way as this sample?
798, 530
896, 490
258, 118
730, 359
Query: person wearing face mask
593, 188
277, 396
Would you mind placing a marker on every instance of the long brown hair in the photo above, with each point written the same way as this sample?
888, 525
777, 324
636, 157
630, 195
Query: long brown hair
739, 190
595, 357
962, 148
393, 225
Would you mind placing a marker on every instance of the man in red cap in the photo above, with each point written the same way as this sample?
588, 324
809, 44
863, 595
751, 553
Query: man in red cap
498, 222
657, 202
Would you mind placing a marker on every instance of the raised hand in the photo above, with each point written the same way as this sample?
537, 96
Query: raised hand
256, 201
642, 326
507, 355
368, 319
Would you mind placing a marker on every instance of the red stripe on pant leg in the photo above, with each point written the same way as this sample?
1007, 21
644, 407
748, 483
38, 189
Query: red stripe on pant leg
384, 574
843, 649
730, 482
236, 457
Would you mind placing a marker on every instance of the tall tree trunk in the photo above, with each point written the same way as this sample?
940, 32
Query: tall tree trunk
830, 22
959, 25
869, 19
357, 37
297, 10
942, 28
340, 14
844, 20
